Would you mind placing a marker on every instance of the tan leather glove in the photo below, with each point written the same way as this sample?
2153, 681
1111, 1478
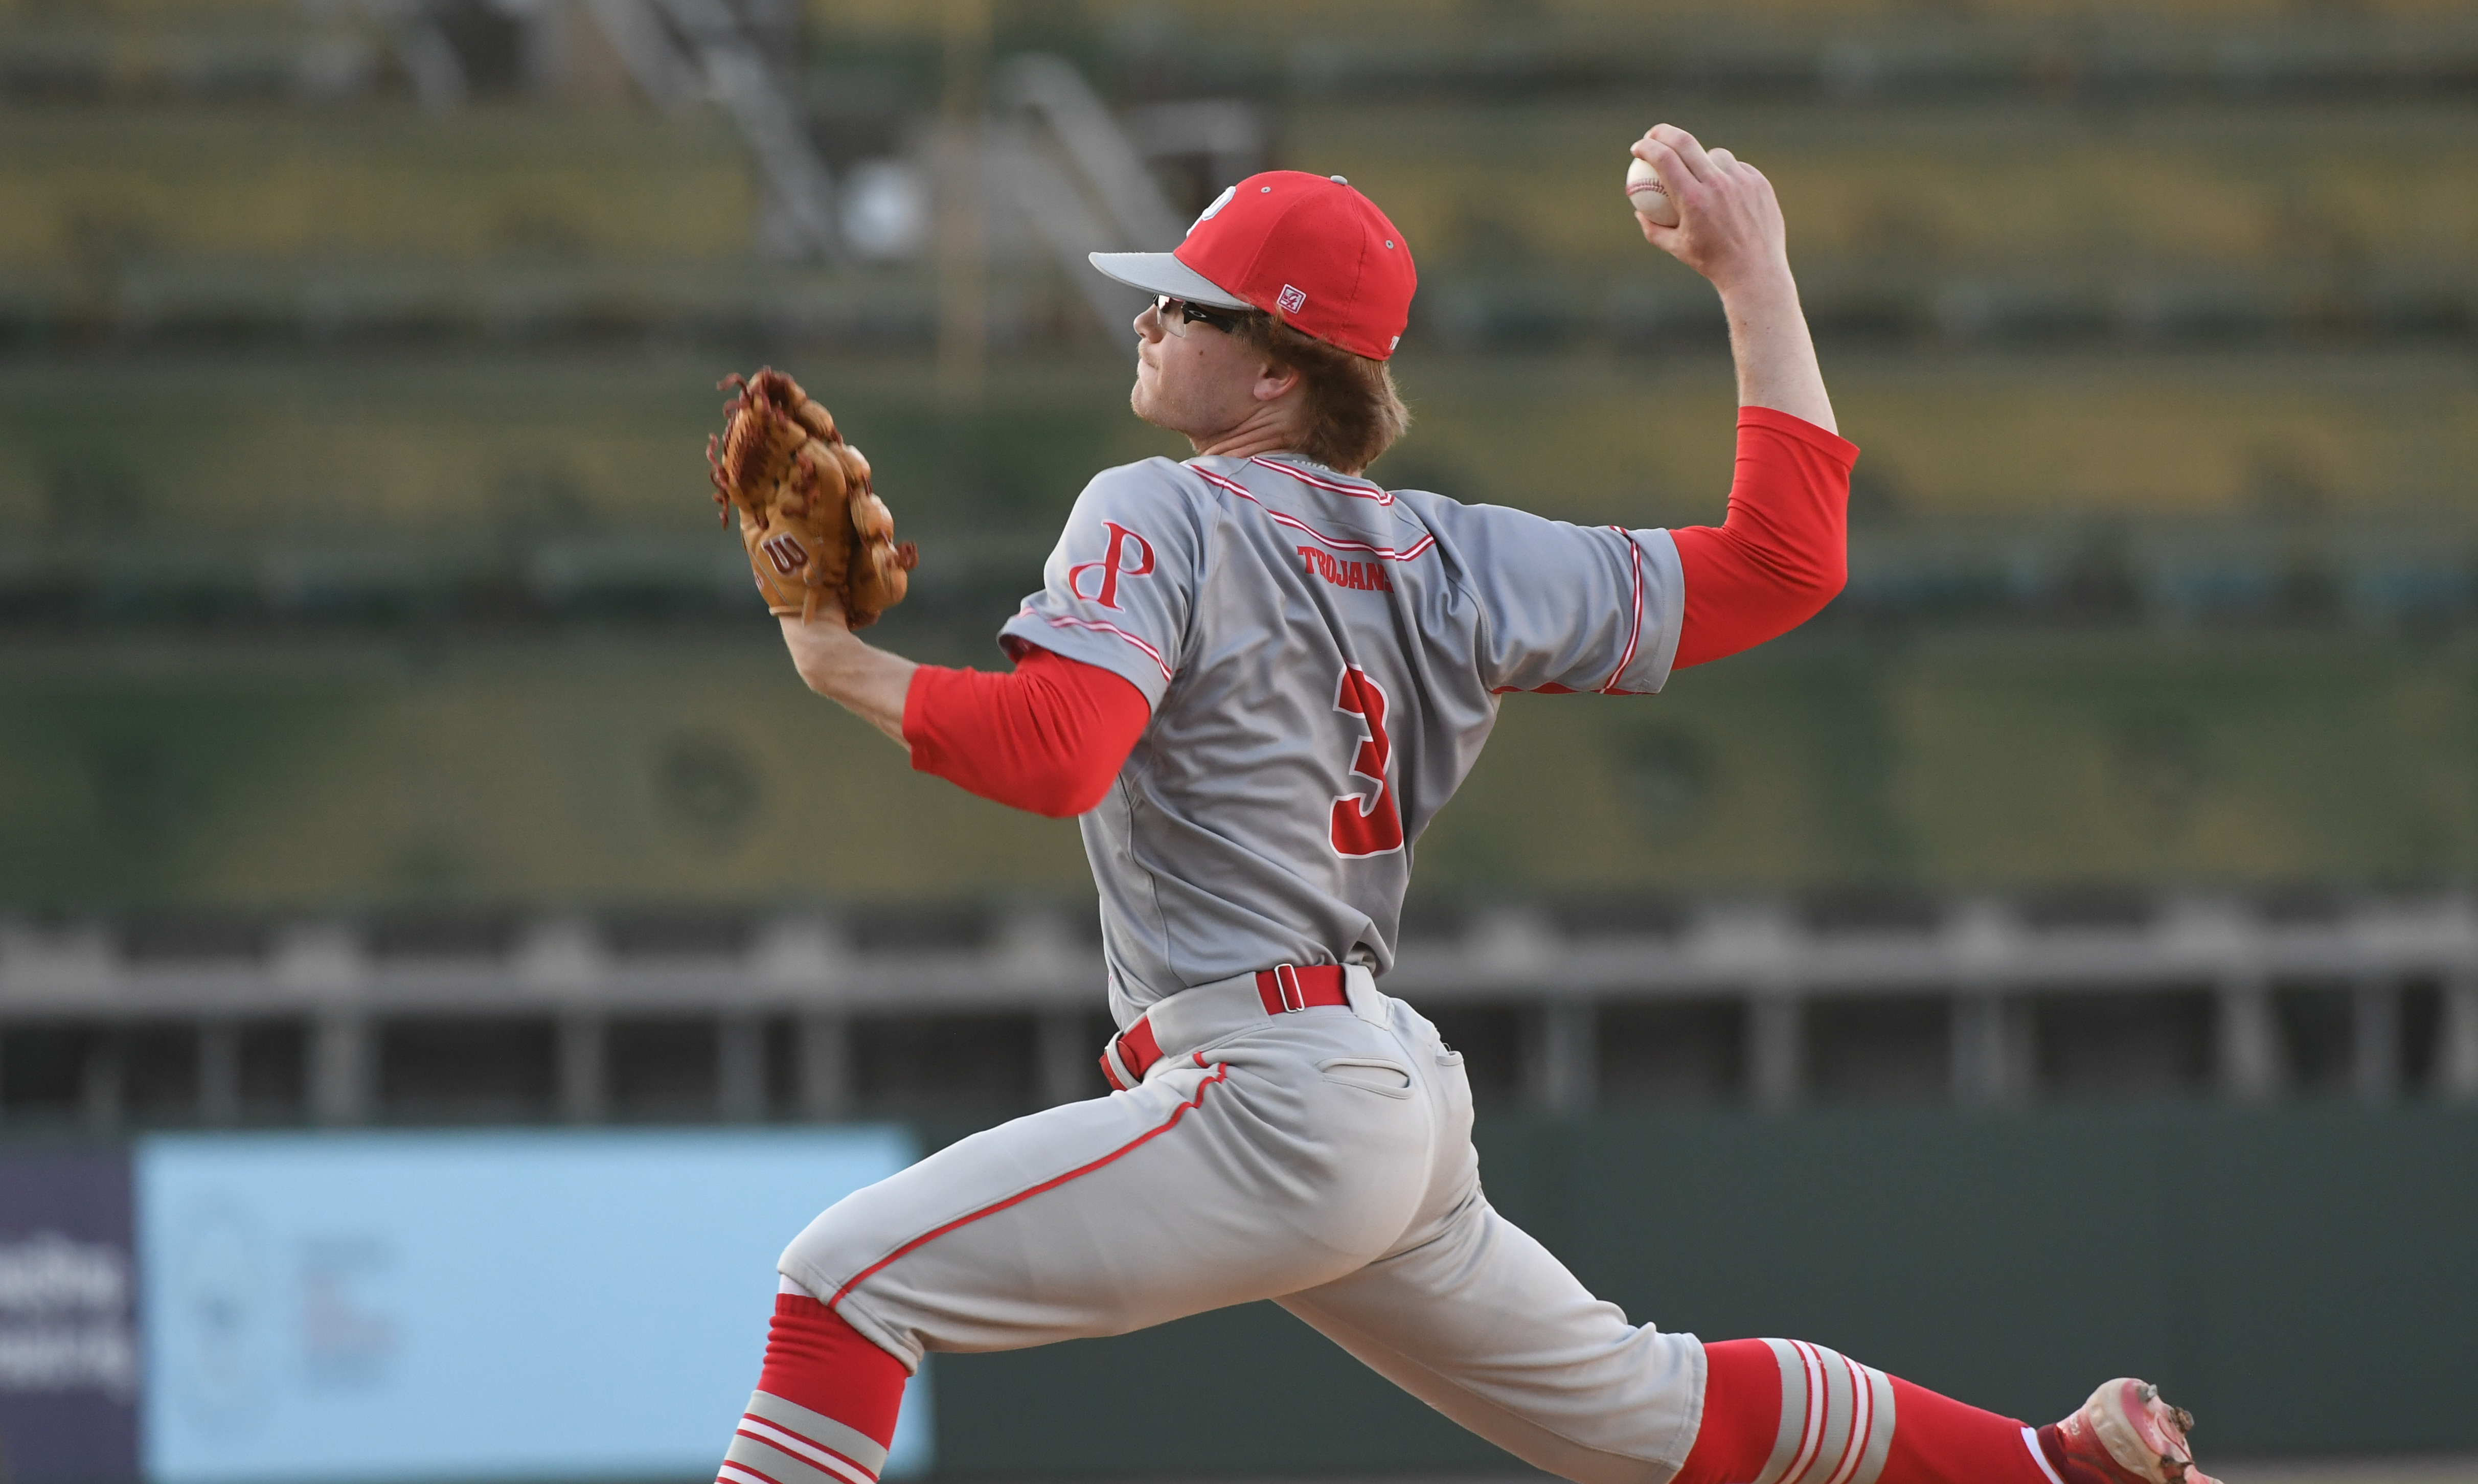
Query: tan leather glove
815, 532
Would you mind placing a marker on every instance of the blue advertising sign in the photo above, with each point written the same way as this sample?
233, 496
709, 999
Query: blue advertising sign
406, 1306
68, 1344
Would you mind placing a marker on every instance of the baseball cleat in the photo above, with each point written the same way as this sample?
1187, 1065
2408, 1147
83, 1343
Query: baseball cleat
2125, 1434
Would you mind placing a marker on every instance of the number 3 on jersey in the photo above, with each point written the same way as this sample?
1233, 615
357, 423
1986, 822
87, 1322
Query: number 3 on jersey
1366, 823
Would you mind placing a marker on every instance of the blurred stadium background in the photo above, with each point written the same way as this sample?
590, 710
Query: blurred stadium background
388, 740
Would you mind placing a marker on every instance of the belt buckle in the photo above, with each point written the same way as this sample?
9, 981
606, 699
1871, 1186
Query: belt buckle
1286, 984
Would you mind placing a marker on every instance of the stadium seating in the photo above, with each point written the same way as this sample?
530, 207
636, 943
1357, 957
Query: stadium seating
309, 451
2083, 192
2331, 206
260, 187
2145, 323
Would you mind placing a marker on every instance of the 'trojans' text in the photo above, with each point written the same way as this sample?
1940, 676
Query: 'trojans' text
1366, 576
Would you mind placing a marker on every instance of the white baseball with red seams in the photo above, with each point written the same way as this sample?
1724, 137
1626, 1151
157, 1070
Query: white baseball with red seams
1647, 197
1325, 659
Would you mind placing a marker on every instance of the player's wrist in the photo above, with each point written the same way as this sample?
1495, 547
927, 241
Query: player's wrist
823, 650
1760, 285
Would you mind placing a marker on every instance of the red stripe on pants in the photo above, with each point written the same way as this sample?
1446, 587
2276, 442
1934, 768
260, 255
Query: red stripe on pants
1219, 1072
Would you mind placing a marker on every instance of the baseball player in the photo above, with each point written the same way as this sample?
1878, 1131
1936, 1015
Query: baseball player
1254, 678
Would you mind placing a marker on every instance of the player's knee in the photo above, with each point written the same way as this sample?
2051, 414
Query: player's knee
823, 1257
831, 1262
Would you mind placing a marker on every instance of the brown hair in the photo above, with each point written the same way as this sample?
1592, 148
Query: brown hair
1352, 412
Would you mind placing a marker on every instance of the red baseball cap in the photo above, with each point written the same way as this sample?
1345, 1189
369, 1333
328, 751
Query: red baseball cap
1307, 249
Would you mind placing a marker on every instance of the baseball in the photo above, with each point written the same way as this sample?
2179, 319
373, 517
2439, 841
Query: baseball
1647, 197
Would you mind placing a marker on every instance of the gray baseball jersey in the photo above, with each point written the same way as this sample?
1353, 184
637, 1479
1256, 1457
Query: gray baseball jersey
1324, 659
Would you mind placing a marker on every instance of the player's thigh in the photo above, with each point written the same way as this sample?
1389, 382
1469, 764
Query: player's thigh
1205, 1186
1484, 1324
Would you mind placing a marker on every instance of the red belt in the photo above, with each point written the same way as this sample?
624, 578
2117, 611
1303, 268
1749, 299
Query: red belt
1282, 989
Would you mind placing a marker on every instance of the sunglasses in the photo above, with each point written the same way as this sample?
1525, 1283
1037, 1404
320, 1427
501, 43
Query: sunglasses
1195, 314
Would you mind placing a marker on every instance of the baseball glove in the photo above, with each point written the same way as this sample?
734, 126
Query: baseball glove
814, 529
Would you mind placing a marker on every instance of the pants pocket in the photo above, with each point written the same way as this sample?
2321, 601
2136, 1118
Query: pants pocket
1368, 1074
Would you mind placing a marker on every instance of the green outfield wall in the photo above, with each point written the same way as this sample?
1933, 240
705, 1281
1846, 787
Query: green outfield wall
2303, 1280
612, 768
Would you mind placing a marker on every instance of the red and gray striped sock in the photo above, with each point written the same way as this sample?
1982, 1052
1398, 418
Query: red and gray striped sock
1788, 1411
825, 1404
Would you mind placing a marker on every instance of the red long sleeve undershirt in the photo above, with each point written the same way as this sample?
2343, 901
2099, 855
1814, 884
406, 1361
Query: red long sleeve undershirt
1781, 552
1047, 738
1051, 735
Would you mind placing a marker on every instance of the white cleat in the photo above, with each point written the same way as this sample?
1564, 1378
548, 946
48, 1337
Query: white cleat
2125, 1434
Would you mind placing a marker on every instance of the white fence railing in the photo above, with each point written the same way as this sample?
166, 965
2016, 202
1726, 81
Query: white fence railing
339, 983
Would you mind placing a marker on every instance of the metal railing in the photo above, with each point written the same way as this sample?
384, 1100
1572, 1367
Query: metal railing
814, 976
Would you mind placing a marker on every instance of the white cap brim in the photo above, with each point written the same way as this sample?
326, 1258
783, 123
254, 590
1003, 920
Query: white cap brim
1164, 273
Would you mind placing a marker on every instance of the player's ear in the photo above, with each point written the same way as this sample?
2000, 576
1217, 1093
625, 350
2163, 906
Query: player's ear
1274, 380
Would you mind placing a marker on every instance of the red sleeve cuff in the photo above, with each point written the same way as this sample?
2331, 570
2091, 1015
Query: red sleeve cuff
926, 700
1773, 419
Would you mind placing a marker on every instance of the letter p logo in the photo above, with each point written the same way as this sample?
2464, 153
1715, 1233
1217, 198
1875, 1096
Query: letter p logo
1112, 567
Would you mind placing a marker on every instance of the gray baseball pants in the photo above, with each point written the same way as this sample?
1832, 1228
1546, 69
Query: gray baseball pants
1320, 1158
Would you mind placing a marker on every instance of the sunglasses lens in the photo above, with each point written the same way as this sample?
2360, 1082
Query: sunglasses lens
1173, 311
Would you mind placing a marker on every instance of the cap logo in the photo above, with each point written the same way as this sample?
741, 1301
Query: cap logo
1291, 300
1218, 202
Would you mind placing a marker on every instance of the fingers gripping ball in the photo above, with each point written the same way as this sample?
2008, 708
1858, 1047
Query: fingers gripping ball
1647, 197
814, 531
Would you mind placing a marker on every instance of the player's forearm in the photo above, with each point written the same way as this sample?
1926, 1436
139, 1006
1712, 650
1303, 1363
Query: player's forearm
869, 683
1776, 355
1728, 226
